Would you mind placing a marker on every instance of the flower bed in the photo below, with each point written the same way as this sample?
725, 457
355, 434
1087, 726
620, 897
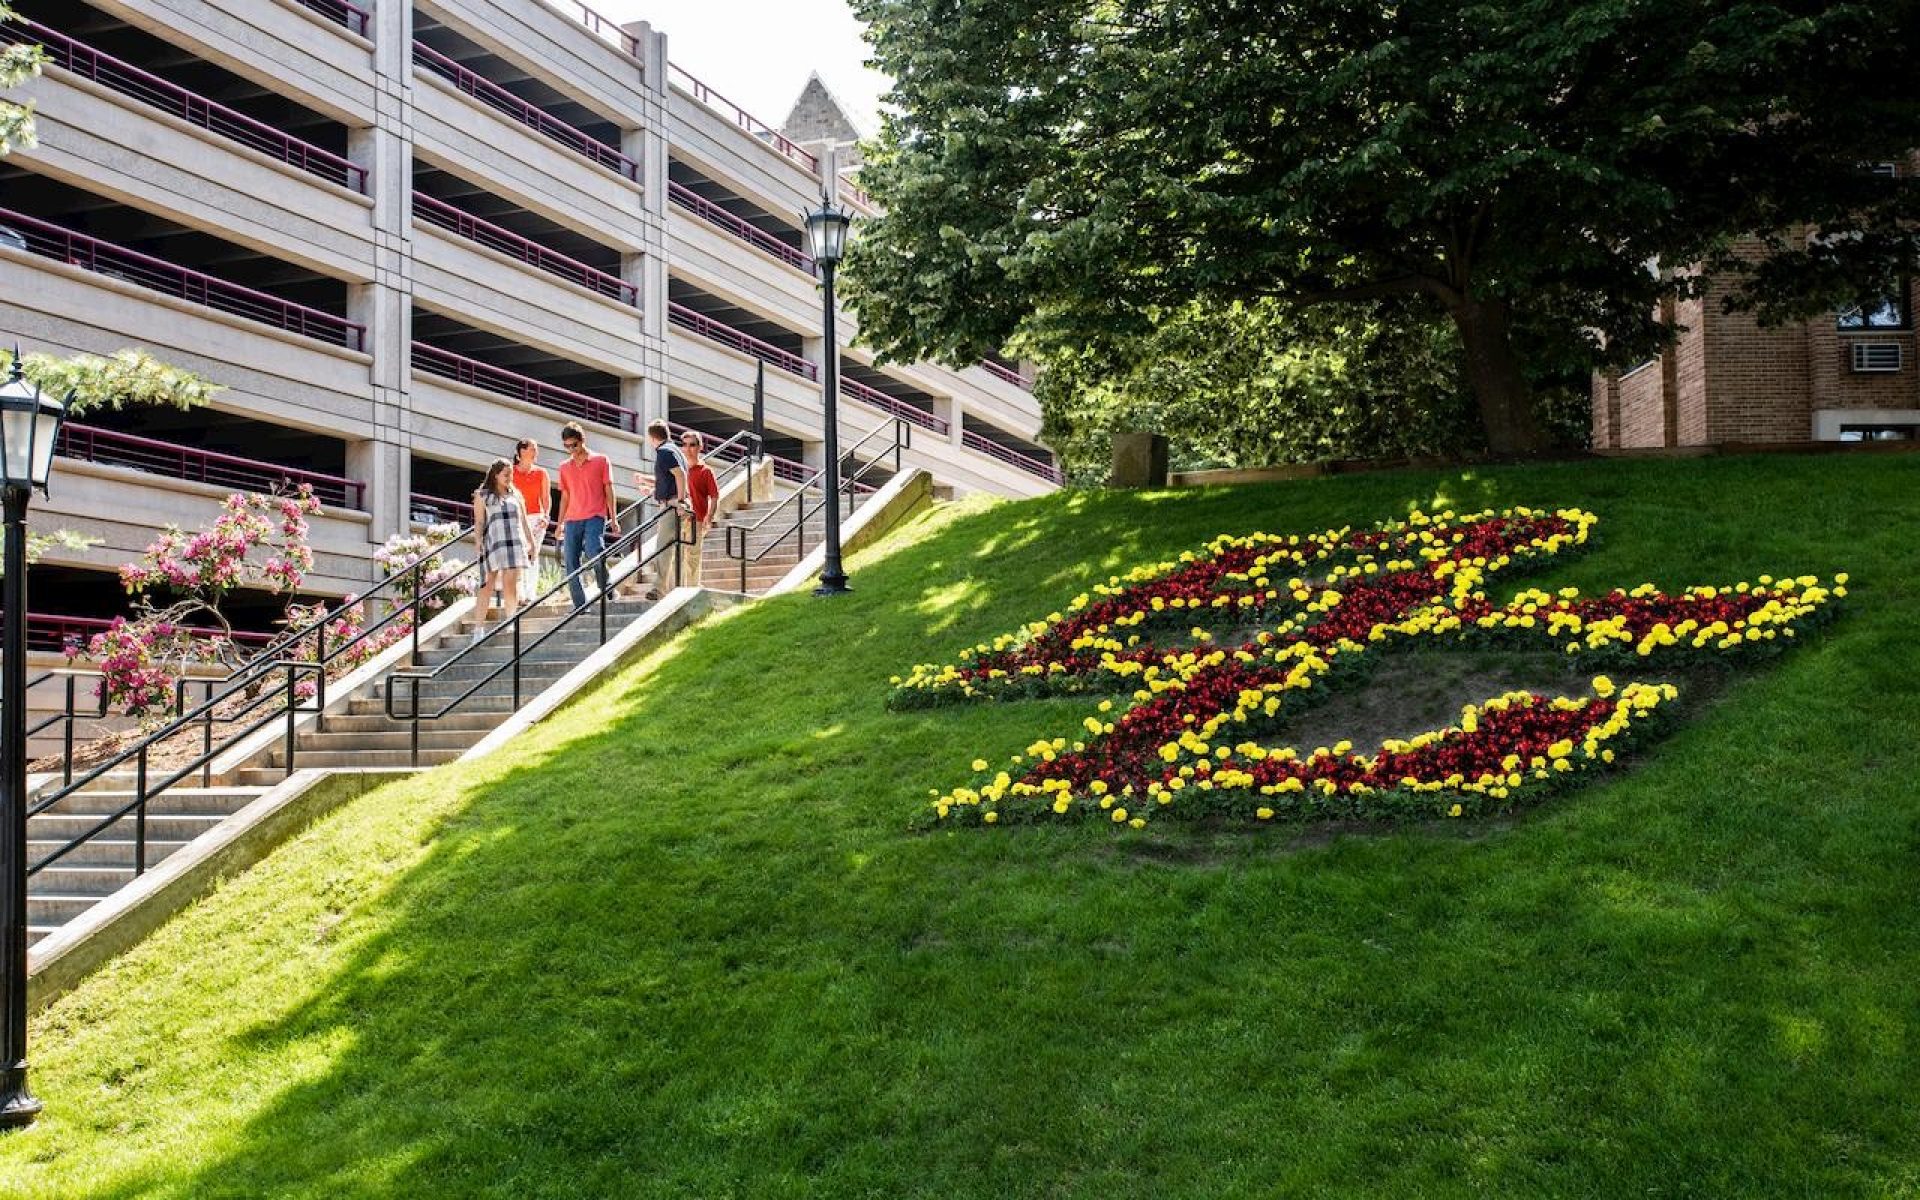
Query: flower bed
1197, 730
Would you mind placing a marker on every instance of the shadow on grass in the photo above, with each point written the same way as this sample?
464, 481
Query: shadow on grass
693, 950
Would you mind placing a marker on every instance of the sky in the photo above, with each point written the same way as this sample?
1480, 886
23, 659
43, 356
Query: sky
757, 53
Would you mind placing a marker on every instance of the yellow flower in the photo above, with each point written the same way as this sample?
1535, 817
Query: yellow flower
1455, 811
1119, 815
1264, 813
991, 817
979, 764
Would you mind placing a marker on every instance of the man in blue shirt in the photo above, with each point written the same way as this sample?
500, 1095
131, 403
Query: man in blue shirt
668, 491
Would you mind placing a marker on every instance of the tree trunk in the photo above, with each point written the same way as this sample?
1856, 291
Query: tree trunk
1500, 386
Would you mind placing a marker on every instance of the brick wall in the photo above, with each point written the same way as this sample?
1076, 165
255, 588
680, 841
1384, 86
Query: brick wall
1642, 408
1755, 379
1727, 379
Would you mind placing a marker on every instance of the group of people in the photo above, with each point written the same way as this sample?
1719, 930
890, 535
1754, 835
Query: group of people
512, 516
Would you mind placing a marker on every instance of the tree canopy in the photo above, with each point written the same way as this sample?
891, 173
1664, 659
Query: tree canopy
19, 62
129, 378
1064, 174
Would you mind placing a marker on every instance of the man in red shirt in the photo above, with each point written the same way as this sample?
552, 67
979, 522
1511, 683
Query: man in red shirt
586, 509
703, 491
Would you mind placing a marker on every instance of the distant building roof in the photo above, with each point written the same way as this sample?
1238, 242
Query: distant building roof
818, 116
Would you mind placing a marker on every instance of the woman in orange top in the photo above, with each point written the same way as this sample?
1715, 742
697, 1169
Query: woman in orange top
530, 480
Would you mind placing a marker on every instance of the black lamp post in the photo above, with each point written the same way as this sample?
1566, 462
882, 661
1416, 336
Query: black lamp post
29, 427
827, 243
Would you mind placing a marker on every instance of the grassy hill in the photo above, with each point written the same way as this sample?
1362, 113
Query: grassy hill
684, 941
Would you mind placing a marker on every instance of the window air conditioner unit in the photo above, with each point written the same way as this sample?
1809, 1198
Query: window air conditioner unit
1876, 358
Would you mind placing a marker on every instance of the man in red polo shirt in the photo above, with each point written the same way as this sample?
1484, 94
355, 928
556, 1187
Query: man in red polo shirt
587, 511
703, 491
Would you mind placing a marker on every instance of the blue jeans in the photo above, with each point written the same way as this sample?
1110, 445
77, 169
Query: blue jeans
582, 540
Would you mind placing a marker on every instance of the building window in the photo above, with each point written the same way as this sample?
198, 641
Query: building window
1878, 433
1885, 312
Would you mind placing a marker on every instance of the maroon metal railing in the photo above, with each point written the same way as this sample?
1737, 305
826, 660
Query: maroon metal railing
105, 258
472, 228
50, 631
856, 197
500, 99
758, 129
439, 509
355, 18
789, 470
739, 227
1025, 462
727, 335
888, 404
473, 373
604, 27
114, 449
999, 371
123, 77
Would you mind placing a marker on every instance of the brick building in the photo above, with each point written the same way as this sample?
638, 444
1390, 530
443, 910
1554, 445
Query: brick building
1849, 376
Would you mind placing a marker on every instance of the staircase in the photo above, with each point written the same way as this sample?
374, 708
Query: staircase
355, 731
105, 863
357, 735
772, 551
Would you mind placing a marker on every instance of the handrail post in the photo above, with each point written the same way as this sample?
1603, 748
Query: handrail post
206, 738
413, 658
516, 659
66, 741
413, 716
140, 813
293, 688
320, 667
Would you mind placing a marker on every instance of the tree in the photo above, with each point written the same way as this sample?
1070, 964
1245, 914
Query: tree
1059, 174
184, 580
19, 62
1254, 383
130, 378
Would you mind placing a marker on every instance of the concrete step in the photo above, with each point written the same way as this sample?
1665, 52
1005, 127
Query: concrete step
453, 680
80, 879
36, 932
102, 851
572, 645
173, 800
491, 702
347, 759
432, 737
57, 908
548, 617
166, 827
479, 722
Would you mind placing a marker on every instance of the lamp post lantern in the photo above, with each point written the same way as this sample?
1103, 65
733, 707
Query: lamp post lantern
827, 244
29, 427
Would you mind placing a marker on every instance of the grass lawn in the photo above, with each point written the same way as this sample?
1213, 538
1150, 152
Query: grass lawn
684, 940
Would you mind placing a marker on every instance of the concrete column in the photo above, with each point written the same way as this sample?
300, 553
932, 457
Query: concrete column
647, 144
386, 468
386, 305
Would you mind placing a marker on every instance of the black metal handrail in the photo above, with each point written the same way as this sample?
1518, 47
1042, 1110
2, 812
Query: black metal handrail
739, 538
144, 786
249, 682
511, 627
68, 716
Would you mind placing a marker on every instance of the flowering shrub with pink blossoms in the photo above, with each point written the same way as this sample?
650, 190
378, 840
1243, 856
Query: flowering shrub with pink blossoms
258, 542
403, 550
